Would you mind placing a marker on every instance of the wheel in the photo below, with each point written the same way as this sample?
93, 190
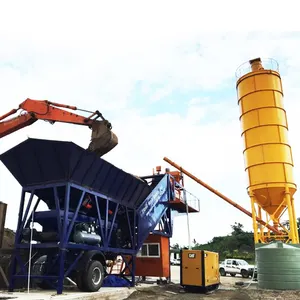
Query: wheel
92, 278
222, 272
232, 274
245, 274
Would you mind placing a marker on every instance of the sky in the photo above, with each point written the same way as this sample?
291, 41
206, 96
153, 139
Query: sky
163, 73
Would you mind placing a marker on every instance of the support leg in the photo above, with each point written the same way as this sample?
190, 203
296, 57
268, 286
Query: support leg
63, 242
256, 234
295, 218
260, 226
133, 271
60, 282
293, 226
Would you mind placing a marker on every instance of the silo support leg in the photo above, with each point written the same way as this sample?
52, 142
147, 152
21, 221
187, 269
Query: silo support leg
293, 232
295, 220
255, 228
260, 226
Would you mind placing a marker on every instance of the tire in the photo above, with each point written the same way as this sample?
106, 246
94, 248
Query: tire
222, 272
92, 278
79, 281
244, 274
232, 274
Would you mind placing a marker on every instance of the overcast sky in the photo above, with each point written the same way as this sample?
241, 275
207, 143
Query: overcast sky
162, 73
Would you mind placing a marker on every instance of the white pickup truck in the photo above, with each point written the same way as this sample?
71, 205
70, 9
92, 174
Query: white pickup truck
173, 261
237, 266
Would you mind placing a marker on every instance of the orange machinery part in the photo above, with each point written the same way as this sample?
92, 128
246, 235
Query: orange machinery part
43, 110
228, 200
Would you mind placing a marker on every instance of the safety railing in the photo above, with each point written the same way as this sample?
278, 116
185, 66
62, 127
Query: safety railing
267, 63
177, 193
193, 201
189, 199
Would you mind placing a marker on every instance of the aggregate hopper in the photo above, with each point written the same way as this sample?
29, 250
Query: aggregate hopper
95, 211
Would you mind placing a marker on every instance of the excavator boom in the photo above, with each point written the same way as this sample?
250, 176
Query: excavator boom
102, 140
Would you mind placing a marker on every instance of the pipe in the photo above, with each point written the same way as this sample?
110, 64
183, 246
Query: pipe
228, 200
256, 64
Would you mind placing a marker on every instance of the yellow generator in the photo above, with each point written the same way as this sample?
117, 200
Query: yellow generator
199, 269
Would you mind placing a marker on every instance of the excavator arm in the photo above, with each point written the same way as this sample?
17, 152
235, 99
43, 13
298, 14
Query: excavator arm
102, 140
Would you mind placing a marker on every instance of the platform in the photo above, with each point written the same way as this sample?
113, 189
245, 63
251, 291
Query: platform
181, 207
191, 205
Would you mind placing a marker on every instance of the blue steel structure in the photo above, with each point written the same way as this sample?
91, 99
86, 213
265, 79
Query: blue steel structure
123, 209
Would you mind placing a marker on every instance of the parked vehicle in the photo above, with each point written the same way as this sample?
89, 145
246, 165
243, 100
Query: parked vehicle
175, 262
237, 266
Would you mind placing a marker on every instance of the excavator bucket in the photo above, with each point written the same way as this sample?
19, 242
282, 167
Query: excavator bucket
103, 139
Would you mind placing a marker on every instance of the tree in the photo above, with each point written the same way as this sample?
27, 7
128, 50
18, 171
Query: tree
287, 225
237, 228
238, 244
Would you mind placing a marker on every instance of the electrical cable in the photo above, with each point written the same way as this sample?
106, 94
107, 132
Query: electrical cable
187, 215
252, 279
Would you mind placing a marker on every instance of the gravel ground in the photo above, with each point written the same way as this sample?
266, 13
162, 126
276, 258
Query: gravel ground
228, 291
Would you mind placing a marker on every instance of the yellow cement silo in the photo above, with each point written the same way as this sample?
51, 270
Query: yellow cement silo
267, 153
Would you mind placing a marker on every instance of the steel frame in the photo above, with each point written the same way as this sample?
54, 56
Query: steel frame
65, 224
262, 234
165, 225
64, 250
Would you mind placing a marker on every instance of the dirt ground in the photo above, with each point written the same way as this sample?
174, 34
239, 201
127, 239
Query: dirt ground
228, 290
174, 292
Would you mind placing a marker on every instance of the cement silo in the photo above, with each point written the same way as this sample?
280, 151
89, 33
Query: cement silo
267, 153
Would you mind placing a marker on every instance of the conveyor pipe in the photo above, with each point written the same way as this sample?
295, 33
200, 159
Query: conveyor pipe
228, 200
